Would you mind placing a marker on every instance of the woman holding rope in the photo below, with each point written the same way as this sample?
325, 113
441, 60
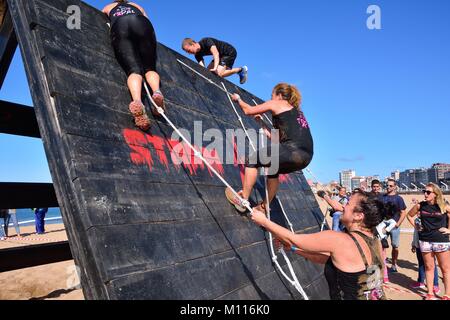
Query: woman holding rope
295, 142
353, 263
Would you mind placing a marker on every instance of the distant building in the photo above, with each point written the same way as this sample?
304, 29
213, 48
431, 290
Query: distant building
359, 182
396, 175
441, 170
413, 178
345, 178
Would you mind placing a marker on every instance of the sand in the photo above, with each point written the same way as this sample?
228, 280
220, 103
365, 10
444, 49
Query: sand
54, 281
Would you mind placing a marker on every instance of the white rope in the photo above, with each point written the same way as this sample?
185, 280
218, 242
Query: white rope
323, 189
294, 281
265, 115
198, 154
239, 117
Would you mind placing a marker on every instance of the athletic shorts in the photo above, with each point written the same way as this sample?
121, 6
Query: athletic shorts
228, 61
395, 238
435, 247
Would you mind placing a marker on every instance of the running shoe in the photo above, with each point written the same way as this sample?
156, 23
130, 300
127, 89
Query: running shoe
243, 74
418, 285
394, 269
141, 119
235, 201
158, 98
430, 297
436, 290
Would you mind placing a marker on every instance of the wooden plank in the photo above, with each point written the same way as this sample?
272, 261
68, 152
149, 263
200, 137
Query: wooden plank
33, 256
18, 120
8, 44
27, 195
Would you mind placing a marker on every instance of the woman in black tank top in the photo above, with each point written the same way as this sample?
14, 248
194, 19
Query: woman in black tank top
434, 241
353, 263
295, 143
134, 43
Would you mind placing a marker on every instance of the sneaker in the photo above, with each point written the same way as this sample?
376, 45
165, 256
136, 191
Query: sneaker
436, 290
243, 74
430, 297
235, 201
394, 269
418, 285
141, 119
158, 98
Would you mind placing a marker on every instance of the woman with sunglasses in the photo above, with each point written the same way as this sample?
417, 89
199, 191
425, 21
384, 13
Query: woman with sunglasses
434, 215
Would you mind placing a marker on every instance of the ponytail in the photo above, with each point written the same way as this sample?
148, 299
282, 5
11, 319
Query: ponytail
290, 93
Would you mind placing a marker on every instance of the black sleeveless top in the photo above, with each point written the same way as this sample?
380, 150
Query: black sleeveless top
294, 129
364, 285
432, 220
122, 10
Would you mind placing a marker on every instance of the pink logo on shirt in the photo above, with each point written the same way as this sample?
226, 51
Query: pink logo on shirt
302, 121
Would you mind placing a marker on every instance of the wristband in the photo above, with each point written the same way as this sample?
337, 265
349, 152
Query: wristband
294, 249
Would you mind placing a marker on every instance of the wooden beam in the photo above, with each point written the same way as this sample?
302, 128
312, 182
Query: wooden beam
27, 195
8, 42
33, 256
18, 120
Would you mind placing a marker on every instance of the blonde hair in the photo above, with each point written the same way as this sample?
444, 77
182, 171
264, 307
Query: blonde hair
290, 93
439, 196
187, 42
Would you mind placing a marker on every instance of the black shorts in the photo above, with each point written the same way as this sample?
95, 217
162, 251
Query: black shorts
228, 61
134, 42
291, 159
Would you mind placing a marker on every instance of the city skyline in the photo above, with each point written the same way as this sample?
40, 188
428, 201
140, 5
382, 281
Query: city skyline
362, 89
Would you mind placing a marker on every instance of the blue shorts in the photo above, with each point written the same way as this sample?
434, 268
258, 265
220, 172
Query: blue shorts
395, 238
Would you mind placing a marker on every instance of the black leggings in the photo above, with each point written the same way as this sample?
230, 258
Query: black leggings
291, 159
134, 42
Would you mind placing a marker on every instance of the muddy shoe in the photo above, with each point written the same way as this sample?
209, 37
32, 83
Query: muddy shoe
137, 108
235, 201
141, 119
142, 122
158, 98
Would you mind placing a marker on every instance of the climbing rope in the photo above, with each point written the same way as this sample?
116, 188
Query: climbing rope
294, 281
323, 189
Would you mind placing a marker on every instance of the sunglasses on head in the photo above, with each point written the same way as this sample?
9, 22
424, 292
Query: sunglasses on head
427, 192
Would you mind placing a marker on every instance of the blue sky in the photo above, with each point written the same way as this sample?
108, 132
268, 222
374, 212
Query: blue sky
377, 100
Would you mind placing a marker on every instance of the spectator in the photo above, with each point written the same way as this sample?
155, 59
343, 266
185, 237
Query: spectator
3, 215
400, 214
415, 248
40, 219
434, 215
341, 197
352, 260
12, 215
376, 188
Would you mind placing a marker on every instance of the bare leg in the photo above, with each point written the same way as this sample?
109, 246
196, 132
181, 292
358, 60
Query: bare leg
224, 72
153, 80
272, 186
251, 174
394, 256
135, 86
428, 259
444, 264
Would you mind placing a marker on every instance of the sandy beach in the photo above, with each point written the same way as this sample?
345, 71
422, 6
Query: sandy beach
53, 282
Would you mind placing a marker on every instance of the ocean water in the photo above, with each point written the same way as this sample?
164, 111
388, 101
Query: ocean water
25, 215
